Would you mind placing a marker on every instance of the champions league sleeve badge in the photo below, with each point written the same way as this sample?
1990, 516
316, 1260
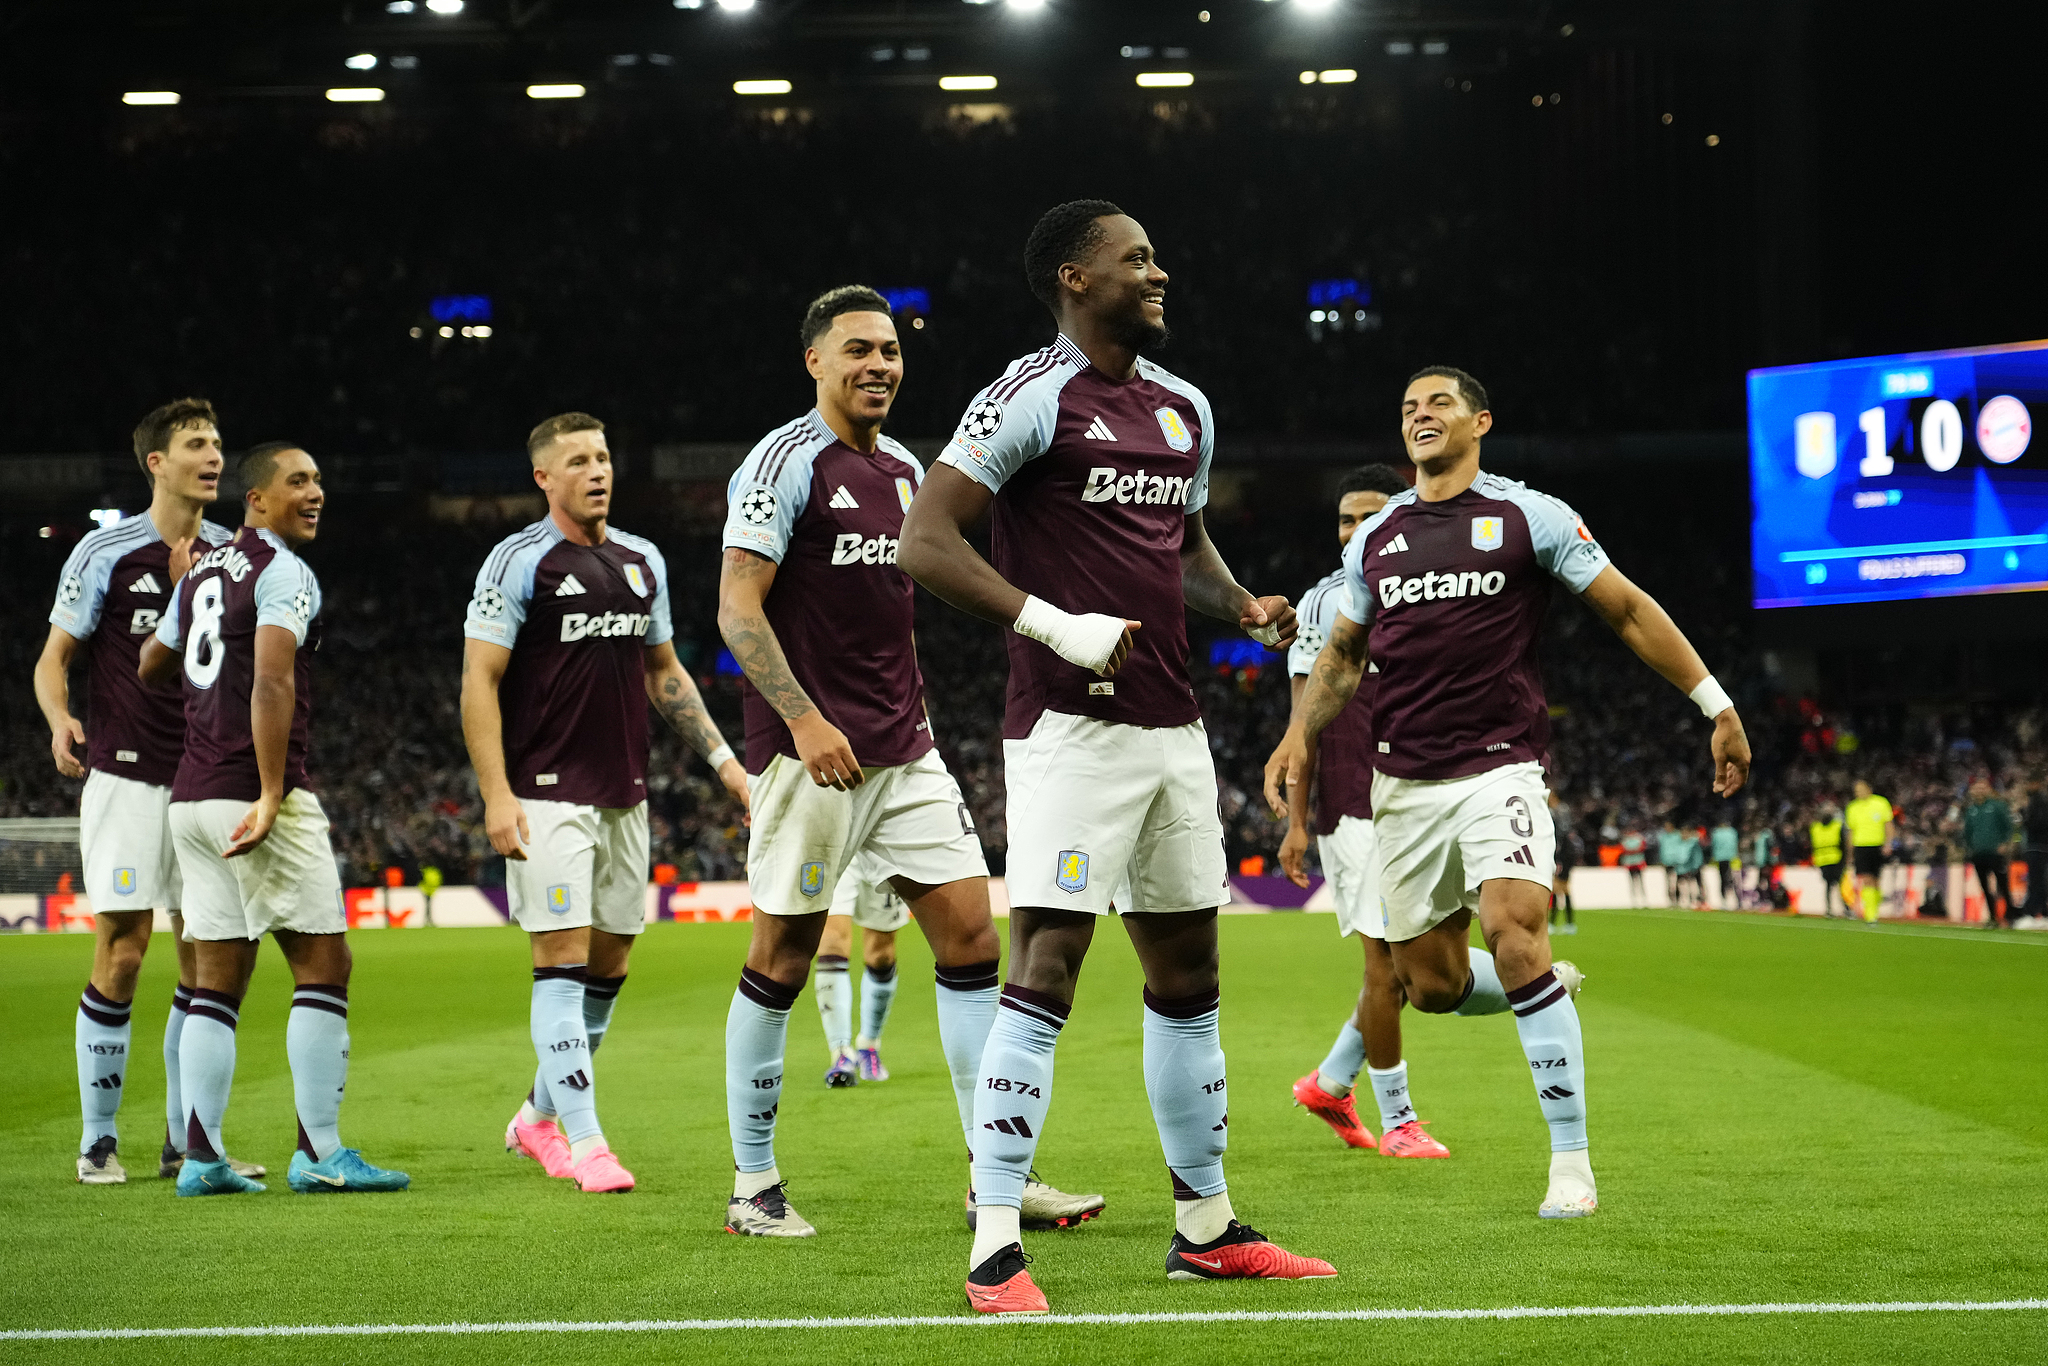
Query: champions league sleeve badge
490, 603
636, 580
1174, 430
757, 505
1486, 533
983, 420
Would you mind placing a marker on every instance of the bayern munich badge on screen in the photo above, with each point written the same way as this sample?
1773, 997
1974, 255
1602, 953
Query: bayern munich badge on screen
1174, 430
810, 879
1073, 871
1486, 533
636, 580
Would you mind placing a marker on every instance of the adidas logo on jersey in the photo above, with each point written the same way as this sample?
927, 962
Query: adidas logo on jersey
1395, 590
1395, 546
1098, 430
569, 589
581, 626
842, 499
146, 584
854, 548
1106, 485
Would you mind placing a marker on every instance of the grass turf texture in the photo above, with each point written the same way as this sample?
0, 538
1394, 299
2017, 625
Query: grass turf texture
1781, 1111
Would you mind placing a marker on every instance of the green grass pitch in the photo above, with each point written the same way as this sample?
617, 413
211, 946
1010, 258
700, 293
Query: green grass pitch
1781, 1112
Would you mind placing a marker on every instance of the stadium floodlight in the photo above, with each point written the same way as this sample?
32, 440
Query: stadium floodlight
445, 6
565, 91
399, 7
150, 97
1154, 79
689, 4
967, 82
1306, 6
1027, 6
362, 61
365, 94
1308, 78
1342, 75
761, 87
735, 6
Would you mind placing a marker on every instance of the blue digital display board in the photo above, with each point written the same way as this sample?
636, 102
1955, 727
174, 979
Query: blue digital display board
461, 308
1899, 477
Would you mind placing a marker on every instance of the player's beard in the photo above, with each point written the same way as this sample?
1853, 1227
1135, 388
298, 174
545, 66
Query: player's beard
1145, 338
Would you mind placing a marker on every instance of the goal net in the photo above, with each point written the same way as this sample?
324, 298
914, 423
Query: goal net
40, 857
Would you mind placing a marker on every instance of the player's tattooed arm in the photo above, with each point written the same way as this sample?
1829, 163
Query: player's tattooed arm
743, 582
1645, 627
1331, 684
675, 696
53, 695
1209, 587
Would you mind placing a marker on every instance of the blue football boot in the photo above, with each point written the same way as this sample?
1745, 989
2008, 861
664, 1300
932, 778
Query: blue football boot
342, 1172
214, 1178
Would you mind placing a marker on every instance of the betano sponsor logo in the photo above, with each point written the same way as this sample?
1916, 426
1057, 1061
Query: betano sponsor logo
1395, 590
585, 626
853, 548
1106, 485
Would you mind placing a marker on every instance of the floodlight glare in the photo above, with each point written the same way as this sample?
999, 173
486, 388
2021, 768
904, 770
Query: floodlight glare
554, 92
355, 95
1307, 6
362, 61
399, 7
735, 6
760, 87
967, 82
150, 97
1027, 5
1153, 79
1343, 75
445, 6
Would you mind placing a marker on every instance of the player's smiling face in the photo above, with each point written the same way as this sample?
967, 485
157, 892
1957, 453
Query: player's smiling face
1125, 285
190, 465
1437, 426
576, 474
291, 503
1355, 510
858, 364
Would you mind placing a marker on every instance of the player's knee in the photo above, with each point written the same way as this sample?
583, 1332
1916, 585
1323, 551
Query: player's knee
1433, 995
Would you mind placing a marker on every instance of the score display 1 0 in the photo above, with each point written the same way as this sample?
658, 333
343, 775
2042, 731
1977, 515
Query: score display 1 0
2004, 428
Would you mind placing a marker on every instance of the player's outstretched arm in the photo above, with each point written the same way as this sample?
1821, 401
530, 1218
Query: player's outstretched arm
483, 730
53, 695
1330, 685
674, 694
1209, 587
935, 552
272, 698
744, 579
1645, 627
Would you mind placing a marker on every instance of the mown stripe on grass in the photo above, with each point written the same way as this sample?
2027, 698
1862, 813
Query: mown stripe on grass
1581, 1311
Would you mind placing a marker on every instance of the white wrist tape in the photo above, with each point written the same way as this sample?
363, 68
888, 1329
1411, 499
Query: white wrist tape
717, 757
1265, 635
1087, 640
1711, 698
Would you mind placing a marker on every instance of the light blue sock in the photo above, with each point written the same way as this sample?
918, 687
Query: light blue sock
316, 1045
967, 1009
600, 995
877, 994
756, 1037
206, 1070
1013, 1093
564, 1051
1548, 1021
1347, 1055
174, 1097
1184, 1080
101, 1034
1390, 1089
1486, 996
832, 986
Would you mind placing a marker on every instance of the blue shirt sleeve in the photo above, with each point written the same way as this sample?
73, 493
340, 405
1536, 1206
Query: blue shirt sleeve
661, 629
504, 586
1562, 543
82, 589
997, 437
1313, 620
769, 491
287, 595
170, 629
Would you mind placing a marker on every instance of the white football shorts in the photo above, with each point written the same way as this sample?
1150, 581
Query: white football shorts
1110, 818
288, 882
1440, 839
1352, 864
873, 905
907, 820
585, 866
124, 837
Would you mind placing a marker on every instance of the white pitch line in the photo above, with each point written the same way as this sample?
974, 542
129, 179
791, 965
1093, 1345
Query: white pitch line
1583, 1311
1891, 930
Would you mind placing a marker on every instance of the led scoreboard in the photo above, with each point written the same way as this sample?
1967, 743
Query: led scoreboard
1899, 476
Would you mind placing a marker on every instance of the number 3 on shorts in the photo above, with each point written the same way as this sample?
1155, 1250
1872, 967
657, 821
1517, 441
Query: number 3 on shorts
1519, 820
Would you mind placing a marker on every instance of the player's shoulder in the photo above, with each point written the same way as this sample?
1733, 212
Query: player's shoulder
1534, 503
639, 545
107, 544
213, 533
1039, 376
896, 449
1324, 596
1396, 507
1158, 374
790, 449
520, 551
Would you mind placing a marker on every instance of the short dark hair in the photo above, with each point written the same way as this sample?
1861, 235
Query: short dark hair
1066, 232
154, 432
1469, 389
258, 464
556, 427
833, 302
1372, 479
